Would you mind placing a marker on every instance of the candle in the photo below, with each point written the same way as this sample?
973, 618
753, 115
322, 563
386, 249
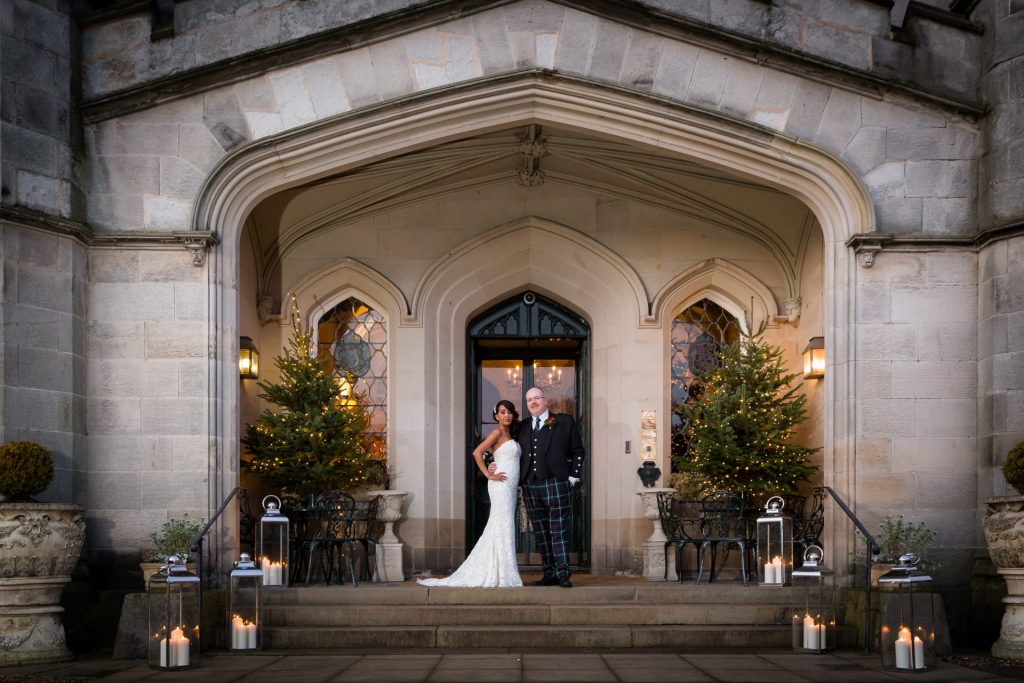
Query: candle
779, 576
769, 572
164, 652
903, 649
179, 645
265, 566
275, 574
237, 633
918, 653
811, 634
250, 642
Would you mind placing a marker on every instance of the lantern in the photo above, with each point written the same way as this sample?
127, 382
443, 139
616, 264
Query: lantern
905, 614
272, 547
814, 604
245, 605
174, 617
774, 545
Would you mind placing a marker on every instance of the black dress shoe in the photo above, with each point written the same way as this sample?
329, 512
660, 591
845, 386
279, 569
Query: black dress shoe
565, 583
546, 581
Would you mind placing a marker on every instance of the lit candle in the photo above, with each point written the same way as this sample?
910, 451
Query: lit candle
769, 572
250, 630
165, 650
237, 633
903, 649
779, 576
275, 574
265, 566
918, 653
180, 645
810, 634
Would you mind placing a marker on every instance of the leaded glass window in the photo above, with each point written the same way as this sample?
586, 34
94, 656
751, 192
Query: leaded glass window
698, 332
355, 338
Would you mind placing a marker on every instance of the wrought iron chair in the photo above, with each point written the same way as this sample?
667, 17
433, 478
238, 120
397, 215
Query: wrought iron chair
807, 529
364, 531
680, 530
725, 525
246, 524
334, 514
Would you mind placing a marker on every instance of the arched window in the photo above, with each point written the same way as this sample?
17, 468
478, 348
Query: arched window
697, 334
355, 338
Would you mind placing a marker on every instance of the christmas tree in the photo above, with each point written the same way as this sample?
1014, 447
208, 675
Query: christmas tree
315, 443
739, 426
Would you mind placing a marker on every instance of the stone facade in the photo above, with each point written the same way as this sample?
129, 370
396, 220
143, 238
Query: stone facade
885, 149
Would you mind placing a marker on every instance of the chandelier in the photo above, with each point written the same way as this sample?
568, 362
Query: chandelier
512, 378
547, 377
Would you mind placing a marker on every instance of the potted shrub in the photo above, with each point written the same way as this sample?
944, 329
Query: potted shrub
174, 538
1003, 522
896, 536
39, 546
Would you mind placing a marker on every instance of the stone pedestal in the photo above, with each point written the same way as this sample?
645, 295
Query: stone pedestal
389, 548
39, 546
654, 547
1003, 523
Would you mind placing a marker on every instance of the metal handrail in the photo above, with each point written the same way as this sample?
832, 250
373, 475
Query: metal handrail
872, 549
197, 542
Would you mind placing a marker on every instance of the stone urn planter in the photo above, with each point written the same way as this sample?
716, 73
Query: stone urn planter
39, 546
389, 549
1003, 522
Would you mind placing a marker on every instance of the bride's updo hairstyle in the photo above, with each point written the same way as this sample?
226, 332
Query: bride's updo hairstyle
513, 429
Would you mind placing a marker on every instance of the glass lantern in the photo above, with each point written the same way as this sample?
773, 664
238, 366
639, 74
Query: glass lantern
814, 604
774, 545
272, 547
174, 617
905, 614
245, 605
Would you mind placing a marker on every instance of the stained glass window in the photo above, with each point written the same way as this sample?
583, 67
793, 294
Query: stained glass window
355, 338
697, 334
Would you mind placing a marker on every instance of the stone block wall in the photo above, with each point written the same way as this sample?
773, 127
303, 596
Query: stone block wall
42, 309
916, 389
40, 136
147, 368
1000, 361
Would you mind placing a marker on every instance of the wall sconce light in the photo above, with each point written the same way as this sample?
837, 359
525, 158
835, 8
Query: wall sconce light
814, 358
248, 359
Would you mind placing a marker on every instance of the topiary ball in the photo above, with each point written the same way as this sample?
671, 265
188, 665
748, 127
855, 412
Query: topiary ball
26, 468
1013, 468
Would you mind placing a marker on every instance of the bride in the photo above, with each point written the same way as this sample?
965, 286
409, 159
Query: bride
493, 560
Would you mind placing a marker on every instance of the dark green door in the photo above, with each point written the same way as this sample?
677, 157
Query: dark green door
522, 342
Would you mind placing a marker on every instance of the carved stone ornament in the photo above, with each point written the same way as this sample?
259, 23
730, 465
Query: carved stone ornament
1003, 523
39, 547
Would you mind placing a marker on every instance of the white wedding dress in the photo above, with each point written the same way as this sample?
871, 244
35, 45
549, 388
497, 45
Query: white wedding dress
492, 564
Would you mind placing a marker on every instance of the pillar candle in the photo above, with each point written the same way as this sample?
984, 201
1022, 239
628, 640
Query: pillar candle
275, 573
265, 566
769, 573
237, 633
918, 653
903, 649
777, 570
810, 633
250, 632
164, 652
179, 645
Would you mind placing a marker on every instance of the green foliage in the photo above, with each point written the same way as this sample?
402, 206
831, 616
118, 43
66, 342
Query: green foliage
896, 536
174, 538
26, 468
1013, 468
315, 443
739, 428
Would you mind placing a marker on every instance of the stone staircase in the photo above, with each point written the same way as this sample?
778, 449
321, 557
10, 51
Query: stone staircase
593, 616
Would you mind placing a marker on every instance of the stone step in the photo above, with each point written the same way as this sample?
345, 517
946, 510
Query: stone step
529, 637
410, 593
534, 614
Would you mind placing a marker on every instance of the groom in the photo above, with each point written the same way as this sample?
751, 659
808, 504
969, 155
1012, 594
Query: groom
549, 467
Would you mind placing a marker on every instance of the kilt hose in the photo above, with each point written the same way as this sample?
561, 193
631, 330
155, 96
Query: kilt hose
549, 507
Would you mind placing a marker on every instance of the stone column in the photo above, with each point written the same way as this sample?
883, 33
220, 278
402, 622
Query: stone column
389, 548
654, 547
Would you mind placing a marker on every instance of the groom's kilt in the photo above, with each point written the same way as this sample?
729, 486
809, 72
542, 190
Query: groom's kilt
549, 507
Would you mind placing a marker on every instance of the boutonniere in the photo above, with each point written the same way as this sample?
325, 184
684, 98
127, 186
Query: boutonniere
549, 423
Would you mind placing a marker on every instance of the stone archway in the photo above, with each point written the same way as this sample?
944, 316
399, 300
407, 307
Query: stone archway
833, 194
